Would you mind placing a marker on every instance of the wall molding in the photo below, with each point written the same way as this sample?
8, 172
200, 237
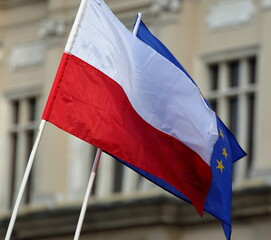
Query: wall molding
6, 4
266, 3
230, 13
27, 55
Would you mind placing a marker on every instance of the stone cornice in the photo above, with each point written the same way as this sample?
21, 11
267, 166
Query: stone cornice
152, 10
230, 13
6, 4
156, 210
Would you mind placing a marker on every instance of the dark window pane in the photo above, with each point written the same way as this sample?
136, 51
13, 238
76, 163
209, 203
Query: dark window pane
13, 154
118, 176
233, 111
252, 70
31, 109
234, 73
250, 130
213, 104
29, 144
213, 76
15, 111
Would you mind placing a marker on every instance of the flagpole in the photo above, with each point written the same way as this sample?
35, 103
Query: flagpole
25, 179
87, 194
95, 165
74, 30
68, 48
138, 20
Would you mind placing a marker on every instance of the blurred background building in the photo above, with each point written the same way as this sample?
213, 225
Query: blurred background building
225, 45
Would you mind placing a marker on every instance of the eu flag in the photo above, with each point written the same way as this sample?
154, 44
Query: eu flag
226, 151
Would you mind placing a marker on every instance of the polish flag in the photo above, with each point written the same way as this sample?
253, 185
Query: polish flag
117, 93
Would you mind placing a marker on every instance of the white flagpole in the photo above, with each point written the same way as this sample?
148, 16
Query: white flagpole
138, 20
95, 165
74, 30
87, 194
24, 181
68, 48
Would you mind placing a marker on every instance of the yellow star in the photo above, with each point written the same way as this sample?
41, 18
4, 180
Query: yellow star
220, 166
224, 153
221, 134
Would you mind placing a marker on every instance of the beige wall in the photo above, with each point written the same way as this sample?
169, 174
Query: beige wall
186, 32
264, 131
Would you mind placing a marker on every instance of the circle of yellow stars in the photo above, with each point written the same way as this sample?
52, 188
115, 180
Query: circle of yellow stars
224, 153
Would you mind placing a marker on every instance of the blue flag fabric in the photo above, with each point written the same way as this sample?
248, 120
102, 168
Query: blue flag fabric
226, 152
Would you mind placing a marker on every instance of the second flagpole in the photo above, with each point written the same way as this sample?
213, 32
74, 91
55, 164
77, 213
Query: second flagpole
87, 194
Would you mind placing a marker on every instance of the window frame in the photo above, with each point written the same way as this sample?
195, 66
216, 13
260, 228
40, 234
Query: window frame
22, 127
246, 87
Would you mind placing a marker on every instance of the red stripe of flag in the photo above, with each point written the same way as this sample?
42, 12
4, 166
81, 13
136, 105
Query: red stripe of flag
88, 104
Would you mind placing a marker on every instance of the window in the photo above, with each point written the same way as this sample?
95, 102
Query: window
233, 114
21, 134
234, 73
117, 187
213, 75
233, 94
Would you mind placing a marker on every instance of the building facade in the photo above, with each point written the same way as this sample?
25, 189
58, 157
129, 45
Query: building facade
224, 45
